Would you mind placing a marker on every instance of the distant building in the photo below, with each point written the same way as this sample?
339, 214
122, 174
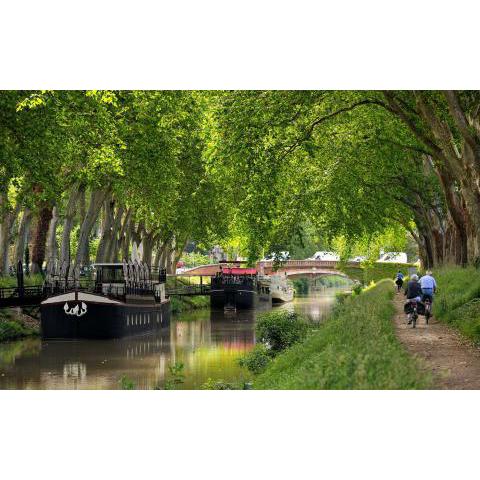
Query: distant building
217, 254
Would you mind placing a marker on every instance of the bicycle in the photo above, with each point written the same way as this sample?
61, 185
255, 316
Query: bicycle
413, 315
428, 309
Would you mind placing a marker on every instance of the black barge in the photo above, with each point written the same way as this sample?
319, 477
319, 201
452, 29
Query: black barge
237, 288
125, 299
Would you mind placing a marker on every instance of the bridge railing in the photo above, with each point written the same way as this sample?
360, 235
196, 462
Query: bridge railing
303, 263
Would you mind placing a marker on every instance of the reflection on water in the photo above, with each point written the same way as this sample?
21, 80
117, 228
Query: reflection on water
207, 343
315, 306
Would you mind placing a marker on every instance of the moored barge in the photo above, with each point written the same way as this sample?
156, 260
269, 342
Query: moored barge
125, 299
237, 288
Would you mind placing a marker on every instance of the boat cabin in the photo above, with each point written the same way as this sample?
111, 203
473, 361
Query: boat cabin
130, 279
235, 276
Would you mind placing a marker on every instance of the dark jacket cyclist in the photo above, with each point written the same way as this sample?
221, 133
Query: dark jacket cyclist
413, 290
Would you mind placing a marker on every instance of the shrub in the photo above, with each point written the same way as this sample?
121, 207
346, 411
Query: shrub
257, 360
211, 384
357, 289
340, 297
280, 329
177, 377
126, 383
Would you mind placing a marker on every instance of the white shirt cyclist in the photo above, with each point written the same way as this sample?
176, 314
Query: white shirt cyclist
427, 281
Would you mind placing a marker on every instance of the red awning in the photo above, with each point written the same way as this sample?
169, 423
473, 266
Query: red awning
240, 271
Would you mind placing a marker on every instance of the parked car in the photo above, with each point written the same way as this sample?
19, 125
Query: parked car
393, 257
328, 256
279, 256
358, 258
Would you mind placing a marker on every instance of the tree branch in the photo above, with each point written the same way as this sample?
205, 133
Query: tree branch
399, 112
413, 148
324, 118
459, 117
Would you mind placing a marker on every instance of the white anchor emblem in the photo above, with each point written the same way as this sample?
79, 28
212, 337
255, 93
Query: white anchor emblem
76, 310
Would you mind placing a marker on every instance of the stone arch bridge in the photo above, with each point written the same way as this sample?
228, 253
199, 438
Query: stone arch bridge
292, 268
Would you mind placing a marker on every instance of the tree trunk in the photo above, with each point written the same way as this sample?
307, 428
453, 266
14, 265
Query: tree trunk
4, 244
124, 246
22, 235
97, 197
457, 215
40, 238
170, 257
7, 219
52, 246
107, 230
68, 222
160, 259
122, 238
148, 240
111, 253
135, 254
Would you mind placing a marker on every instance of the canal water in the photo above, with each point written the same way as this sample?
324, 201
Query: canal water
207, 343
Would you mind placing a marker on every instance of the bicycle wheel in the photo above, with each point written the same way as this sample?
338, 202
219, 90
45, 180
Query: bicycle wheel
414, 320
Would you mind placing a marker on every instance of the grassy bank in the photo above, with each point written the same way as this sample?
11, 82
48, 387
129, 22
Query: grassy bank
182, 304
13, 327
457, 302
356, 348
11, 281
375, 272
185, 304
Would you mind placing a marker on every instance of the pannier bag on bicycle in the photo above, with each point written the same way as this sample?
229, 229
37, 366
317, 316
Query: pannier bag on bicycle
408, 308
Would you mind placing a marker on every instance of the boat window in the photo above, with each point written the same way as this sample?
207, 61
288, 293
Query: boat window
110, 274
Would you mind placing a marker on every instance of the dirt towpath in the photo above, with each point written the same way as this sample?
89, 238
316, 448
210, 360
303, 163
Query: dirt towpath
454, 361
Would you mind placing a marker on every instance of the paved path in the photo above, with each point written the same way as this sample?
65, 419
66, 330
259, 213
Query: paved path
454, 361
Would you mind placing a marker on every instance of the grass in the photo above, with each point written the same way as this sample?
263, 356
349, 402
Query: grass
10, 351
356, 348
375, 272
11, 281
12, 329
457, 302
180, 304
186, 304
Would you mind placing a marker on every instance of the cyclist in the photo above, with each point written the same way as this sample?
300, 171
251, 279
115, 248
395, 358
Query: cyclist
413, 292
428, 286
399, 280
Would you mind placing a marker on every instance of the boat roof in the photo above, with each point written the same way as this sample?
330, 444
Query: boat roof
81, 296
232, 261
239, 271
107, 264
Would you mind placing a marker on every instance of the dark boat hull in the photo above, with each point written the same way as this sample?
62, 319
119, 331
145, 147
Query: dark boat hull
232, 298
102, 319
